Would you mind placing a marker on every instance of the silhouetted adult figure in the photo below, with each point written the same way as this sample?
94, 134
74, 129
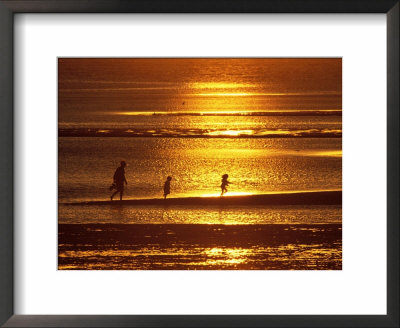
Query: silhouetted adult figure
119, 180
167, 187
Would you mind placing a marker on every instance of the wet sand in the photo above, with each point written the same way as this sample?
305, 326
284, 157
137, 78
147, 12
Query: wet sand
295, 198
200, 246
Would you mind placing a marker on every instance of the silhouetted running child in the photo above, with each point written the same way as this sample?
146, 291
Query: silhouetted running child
224, 184
119, 179
167, 187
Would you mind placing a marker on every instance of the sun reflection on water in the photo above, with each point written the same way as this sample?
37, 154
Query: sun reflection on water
221, 256
228, 194
226, 94
232, 133
219, 85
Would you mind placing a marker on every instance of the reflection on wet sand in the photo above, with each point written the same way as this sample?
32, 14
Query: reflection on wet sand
203, 247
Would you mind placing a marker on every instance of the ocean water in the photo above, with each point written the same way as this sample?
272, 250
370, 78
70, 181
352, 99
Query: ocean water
125, 214
324, 124
91, 87
255, 164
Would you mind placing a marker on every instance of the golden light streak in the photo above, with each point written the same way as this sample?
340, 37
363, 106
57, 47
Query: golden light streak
219, 85
228, 194
329, 153
229, 112
226, 255
231, 133
226, 94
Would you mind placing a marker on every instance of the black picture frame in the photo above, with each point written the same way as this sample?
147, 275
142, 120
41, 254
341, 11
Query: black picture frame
10, 7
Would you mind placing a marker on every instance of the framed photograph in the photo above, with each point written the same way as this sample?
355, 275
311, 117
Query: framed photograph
165, 166
173, 127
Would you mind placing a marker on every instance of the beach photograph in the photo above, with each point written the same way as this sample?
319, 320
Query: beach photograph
199, 164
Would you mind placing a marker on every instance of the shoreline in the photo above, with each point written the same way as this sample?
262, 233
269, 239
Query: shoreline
295, 198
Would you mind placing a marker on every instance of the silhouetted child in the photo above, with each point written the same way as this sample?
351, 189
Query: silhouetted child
224, 184
167, 187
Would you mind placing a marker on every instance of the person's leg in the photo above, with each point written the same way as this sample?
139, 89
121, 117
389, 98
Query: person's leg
112, 196
121, 193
